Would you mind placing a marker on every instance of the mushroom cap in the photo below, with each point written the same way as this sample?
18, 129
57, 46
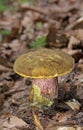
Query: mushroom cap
44, 63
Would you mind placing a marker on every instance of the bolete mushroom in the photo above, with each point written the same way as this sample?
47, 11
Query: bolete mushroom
44, 66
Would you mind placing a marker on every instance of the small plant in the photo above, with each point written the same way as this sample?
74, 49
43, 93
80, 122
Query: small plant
24, 1
5, 32
39, 24
29, 1
40, 42
3, 7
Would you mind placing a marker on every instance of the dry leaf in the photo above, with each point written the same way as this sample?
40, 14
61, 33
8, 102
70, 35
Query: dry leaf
73, 104
37, 122
14, 121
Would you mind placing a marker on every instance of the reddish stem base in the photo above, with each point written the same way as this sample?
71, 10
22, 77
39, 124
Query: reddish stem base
48, 87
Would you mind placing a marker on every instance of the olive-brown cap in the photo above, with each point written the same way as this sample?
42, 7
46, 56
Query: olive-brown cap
44, 63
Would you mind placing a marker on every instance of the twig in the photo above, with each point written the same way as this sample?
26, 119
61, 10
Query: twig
36, 9
13, 92
66, 123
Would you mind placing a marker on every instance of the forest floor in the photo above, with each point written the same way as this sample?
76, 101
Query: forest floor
33, 24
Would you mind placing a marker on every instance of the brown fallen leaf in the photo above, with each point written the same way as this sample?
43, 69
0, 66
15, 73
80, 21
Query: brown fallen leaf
79, 34
69, 128
26, 7
2, 99
56, 38
79, 23
73, 104
77, 54
4, 69
13, 122
72, 42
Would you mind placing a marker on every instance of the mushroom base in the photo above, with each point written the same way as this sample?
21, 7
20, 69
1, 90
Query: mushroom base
44, 91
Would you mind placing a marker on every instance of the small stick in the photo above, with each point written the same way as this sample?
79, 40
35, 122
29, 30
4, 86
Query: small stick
13, 92
66, 123
36, 9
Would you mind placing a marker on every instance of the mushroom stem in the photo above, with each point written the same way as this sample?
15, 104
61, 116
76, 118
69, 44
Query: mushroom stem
47, 88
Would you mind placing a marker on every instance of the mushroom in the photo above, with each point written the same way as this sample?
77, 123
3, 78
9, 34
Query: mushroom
44, 66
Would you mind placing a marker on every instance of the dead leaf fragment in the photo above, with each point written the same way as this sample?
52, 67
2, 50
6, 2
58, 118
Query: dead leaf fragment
13, 122
4, 69
77, 54
56, 38
2, 99
73, 41
79, 34
79, 23
69, 128
80, 92
73, 104
66, 128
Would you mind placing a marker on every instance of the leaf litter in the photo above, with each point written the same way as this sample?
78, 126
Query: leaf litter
62, 23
